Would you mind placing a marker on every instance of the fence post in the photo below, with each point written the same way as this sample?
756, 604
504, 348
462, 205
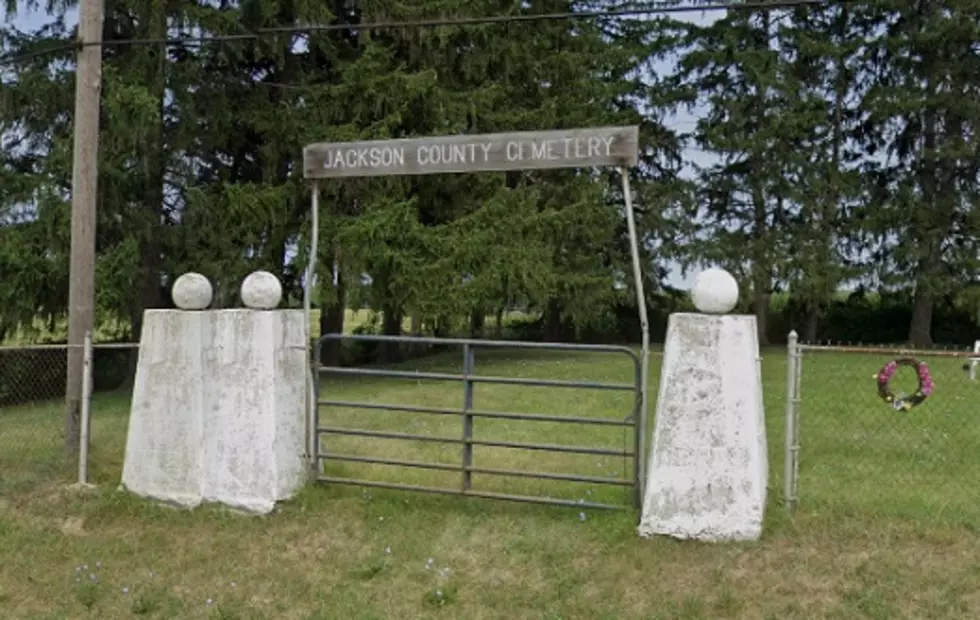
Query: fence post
469, 366
789, 458
639, 433
973, 361
313, 413
86, 410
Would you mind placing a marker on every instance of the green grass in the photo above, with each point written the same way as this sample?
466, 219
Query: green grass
885, 529
860, 456
609, 368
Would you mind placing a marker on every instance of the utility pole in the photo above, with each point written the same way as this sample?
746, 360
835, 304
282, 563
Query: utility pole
84, 192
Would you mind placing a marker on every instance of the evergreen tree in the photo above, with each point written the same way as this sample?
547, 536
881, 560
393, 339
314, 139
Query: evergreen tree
756, 121
821, 45
921, 121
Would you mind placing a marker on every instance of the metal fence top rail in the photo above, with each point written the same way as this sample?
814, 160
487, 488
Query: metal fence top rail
474, 378
62, 347
38, 347
898, 351
498, 344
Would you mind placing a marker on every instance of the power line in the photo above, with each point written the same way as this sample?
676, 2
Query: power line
426, 23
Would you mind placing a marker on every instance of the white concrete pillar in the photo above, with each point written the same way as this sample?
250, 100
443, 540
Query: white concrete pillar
166, 421
218, 409
708, 466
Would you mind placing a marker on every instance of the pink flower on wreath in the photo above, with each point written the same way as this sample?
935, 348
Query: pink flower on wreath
887, 372
928, 385
925, 378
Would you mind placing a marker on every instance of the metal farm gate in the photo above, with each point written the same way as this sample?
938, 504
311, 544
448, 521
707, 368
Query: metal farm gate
467, 412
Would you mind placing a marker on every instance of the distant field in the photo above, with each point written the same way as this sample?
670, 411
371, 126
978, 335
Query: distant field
886, 526
115, 330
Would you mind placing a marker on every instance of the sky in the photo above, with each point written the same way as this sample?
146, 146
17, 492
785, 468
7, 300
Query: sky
683, 121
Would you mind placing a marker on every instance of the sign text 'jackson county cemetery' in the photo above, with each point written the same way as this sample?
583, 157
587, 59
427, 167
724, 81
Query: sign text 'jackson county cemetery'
573, 148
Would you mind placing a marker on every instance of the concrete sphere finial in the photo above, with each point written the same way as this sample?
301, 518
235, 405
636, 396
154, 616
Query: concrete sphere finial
715, 291
192, 291
261, 290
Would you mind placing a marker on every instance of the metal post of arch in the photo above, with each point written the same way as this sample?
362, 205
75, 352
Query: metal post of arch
308, 283
641, 306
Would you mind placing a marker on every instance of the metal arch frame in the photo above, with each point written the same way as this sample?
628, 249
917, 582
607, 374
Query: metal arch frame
621, 154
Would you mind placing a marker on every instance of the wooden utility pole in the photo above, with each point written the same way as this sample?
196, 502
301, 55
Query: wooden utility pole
84, 189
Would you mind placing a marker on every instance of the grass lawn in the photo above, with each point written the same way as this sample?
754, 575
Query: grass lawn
886, 526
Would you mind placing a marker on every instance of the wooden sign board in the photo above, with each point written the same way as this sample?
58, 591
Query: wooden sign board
530, 150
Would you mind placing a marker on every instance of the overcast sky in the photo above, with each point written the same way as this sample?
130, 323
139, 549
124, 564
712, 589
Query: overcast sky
28, 21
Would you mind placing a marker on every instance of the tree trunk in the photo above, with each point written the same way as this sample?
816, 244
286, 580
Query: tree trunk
761, 278
391, 326
441, 327
812, 324
477, 322
920, 328
332, 316
415, 325
825, 271
498, 325
154, 172
760, 302
552, 321
415, 328
761, 266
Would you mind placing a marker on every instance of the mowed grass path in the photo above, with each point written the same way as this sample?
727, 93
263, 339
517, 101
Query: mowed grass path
886, 526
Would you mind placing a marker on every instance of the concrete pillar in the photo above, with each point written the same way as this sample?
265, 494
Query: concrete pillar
218, 408
708, 466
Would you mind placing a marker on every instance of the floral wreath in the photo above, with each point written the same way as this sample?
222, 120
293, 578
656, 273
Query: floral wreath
902, 402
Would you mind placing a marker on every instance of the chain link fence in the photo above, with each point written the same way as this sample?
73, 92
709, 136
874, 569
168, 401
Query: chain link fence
32, 412
854, 449
848, 452
113, 370
32, 415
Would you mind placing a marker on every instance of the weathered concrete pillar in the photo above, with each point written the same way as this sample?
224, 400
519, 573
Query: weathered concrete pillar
218, 406
708, 466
